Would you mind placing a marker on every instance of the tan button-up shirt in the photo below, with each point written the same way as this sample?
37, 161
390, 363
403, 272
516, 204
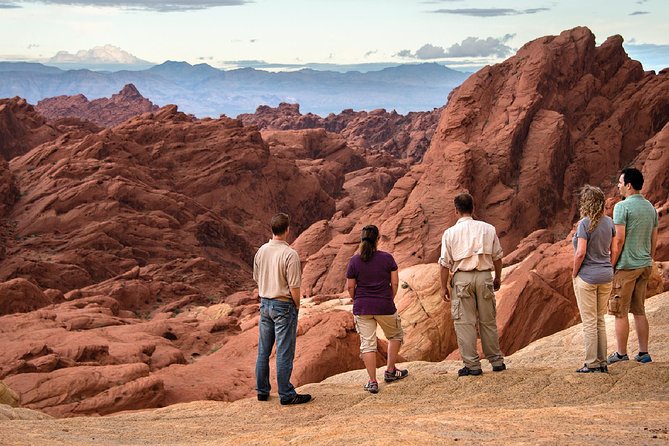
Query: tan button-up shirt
470, 245
276, 269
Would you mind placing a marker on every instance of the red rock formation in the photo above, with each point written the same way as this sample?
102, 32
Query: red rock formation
105, 112
401, 136
20, 296
185, 200
21, 128
89, 356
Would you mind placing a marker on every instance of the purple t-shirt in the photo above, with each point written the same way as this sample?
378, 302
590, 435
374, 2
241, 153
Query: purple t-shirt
373, 293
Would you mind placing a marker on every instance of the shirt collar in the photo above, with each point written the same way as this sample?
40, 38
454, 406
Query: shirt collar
278, 242
461, 219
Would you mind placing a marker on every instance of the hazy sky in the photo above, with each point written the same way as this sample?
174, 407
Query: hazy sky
460, 32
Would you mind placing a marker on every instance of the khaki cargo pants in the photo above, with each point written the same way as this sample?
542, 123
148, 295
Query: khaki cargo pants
473, 298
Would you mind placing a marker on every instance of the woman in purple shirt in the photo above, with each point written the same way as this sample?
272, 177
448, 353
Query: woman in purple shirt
372, 279
592, 275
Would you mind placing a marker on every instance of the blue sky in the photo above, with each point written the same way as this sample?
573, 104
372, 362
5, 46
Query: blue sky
464, 34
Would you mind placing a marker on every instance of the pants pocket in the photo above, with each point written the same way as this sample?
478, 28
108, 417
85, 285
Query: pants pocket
614, 304
462, 290
455, 309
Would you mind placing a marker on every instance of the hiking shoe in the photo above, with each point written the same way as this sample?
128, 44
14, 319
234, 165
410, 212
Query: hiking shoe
586, 369
499, 368
615, 357
604, 368
396, 374
262, 397
372, 387
466, 371
643, 359
297, 399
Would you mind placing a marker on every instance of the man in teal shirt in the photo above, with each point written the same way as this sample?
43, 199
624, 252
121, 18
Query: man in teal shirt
632, 253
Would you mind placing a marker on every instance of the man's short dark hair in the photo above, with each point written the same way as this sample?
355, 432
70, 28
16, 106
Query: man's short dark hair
634, 177
280, 223
464, 203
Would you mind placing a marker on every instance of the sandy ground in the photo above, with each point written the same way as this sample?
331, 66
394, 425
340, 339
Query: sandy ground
540, 400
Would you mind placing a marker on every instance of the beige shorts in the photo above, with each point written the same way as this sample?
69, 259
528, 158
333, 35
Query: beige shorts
365, 325
628, 294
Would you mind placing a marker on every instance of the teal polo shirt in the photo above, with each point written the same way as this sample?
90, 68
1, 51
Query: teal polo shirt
639, 218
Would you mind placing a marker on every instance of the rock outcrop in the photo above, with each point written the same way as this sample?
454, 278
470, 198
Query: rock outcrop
106, 112
22, 128
403, 136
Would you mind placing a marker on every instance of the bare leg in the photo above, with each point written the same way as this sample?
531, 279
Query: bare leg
393, 349
642, 330
622, 334
369, 359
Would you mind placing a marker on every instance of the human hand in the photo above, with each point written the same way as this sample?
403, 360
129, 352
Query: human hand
446, 295
496, 283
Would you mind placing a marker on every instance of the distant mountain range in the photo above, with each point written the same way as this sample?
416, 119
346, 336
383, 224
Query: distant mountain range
207, 91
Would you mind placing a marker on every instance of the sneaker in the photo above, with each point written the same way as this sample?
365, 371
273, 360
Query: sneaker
499, 368
297, 399
643, 359
262, 397
615, 357
466, 371
372, 387
395, 375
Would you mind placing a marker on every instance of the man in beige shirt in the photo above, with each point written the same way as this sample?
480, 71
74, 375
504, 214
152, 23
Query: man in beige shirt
470, 249
276, 269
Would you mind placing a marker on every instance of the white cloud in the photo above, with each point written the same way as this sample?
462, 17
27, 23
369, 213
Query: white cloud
470, 47
142, 5
107, 54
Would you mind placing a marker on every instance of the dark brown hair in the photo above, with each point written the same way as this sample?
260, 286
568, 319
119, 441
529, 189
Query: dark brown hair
368, 239
634, 177
464, 203
280, 223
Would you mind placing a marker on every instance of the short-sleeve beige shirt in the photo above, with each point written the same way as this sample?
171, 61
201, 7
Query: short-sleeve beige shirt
276, 269
470, 245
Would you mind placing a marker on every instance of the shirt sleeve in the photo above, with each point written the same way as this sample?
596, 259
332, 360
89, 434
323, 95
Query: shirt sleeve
256, 272
581, 231
294, 270
497, 252
392, 265
445, 259
351, 270
620, 214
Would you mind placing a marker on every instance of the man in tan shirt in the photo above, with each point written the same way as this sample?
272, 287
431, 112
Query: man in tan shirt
276, 269
470, 250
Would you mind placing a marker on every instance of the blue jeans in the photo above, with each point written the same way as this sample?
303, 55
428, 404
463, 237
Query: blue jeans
278, 322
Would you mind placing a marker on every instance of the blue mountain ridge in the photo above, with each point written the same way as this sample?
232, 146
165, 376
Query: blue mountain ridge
204, 90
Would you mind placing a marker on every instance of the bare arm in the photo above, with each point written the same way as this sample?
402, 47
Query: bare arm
350, 286
497, 281
295, 294
445, 274
579, 255
394, 281
617, 244
653, 242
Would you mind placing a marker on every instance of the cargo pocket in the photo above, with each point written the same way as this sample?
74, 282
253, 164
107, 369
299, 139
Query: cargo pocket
455, 309
613, 305
489, 293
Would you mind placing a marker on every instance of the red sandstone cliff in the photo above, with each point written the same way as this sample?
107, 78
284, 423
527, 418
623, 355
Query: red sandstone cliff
105, 112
